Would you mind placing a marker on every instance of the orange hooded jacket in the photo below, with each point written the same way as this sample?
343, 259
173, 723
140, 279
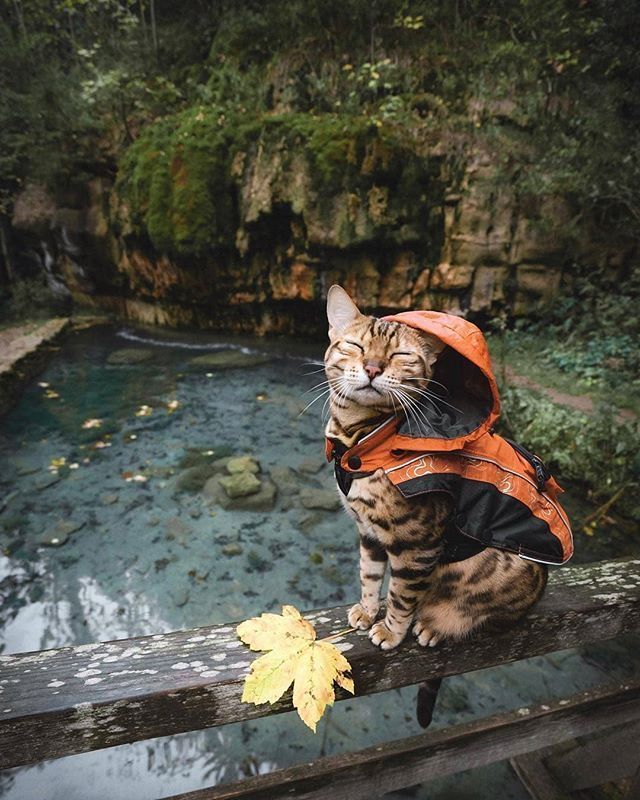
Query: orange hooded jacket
504, 496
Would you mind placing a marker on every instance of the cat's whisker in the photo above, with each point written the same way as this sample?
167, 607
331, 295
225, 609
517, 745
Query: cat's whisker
407, 411
434, 398
315, 400
428, 381
393, 403
318, 386
418, 411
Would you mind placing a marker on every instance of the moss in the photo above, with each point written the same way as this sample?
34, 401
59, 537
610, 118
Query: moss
179, 177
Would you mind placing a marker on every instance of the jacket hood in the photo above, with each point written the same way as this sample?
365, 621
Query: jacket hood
465, 402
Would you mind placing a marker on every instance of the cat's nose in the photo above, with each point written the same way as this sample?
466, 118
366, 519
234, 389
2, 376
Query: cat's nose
373, 368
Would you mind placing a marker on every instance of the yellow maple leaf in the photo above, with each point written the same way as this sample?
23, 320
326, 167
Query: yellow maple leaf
269, 631
294, 656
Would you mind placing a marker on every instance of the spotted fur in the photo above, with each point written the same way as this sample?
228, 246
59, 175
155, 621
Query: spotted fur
375, 369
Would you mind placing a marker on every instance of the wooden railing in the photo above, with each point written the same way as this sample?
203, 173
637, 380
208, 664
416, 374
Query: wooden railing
76, 699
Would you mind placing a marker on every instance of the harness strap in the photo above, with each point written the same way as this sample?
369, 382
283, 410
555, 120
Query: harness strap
541, 470
344, 479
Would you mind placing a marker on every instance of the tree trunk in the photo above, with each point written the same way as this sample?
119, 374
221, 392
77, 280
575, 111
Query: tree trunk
8, 273
154, 30
20, 16
143, 23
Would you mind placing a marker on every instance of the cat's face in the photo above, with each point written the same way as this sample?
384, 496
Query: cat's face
373, 362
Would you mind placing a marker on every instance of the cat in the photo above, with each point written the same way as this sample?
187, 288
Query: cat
378, 369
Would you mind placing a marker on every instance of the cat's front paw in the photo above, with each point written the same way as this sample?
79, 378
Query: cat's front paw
359, 618
426, 637
385, 638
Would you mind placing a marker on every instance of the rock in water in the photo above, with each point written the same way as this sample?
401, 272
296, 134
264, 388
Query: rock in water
285, 479
261, 500
312, 465
320, 498
240, 484
243, 464
59, 534
129, 355
193, 479
229, 359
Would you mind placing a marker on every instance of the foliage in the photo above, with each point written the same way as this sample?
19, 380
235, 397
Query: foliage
294, 655
479, 72
586, 341
30, 298
598, 450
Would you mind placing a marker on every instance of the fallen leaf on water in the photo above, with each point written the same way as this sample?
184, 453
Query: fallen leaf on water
295, 656
51, 395
91, 423
131, 476
56, 463
43, 384
144, 411
100, 445
172, 405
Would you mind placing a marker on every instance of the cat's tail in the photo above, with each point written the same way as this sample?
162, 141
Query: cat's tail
426, 701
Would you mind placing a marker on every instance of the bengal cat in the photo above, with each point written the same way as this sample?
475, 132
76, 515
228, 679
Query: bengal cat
376, 369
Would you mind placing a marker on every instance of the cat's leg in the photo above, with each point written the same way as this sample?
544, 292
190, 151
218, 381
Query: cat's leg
410, 571
491, 589
373, 562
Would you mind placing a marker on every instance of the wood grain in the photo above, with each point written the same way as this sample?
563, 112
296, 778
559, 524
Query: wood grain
76, 699
372, 772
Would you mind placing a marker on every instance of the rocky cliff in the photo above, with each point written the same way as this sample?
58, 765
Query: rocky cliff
221, 226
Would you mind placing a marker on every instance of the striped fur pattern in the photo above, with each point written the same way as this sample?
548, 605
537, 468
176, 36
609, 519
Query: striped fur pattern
374, 369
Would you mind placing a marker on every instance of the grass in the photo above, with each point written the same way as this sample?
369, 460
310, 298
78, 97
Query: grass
597, 368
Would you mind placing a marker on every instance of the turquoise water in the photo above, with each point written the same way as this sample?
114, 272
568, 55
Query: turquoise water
102, 538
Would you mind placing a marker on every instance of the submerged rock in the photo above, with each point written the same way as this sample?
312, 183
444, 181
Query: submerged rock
312, 465
229, 359
319, 498
240, 484
47, 480
261, 500
129, 355
59, 533
192, 479
109, 498
176, 528
242, 464
232, 549
285, 479
201, 456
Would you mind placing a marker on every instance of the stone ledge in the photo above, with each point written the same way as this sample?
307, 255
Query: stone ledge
23, 354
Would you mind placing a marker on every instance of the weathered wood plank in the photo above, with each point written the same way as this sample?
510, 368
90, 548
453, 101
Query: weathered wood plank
76, 699
610, 757
417, 759
536, 778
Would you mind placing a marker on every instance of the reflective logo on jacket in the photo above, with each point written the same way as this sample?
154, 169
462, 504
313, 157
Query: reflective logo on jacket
503, 496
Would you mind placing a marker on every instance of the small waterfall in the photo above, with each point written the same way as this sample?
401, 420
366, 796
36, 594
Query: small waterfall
69, 247
56, 286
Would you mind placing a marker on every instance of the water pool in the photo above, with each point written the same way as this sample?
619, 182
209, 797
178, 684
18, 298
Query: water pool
106, 533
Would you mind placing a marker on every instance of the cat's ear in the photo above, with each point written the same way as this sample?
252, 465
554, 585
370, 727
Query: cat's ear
341, 310
432, 347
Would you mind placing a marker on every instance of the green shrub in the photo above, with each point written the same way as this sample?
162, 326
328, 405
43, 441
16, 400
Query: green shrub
597, 449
